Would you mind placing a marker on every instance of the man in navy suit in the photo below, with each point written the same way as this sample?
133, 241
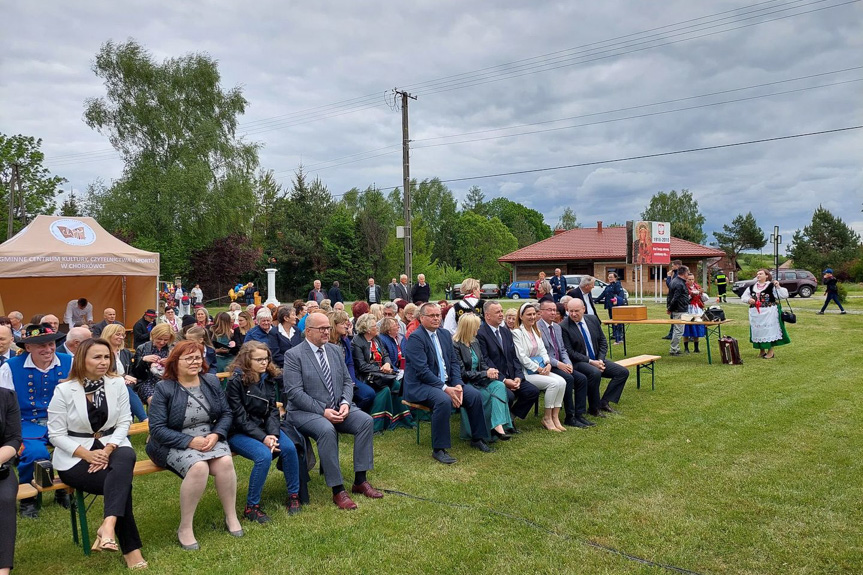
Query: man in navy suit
498, 351
433, 378
583, 292
586, 346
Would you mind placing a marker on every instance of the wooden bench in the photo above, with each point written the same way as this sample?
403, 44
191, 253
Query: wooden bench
647, 362
26, 491
419, 408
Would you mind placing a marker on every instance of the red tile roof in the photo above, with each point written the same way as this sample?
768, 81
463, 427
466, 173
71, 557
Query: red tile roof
590, 244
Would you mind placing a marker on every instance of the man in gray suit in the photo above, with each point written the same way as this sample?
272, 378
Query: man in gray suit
319, 392
576, 382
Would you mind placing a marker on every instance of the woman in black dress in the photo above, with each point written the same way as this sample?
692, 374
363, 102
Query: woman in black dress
10, 443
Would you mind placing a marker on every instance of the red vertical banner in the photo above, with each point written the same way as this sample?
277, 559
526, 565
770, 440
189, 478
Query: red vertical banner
651, 243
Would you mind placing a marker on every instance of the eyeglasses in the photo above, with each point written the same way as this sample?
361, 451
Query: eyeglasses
261, 359
323, 328
433, 315
193, 359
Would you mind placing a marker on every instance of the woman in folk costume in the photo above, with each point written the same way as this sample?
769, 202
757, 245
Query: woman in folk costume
766, 328
696, 308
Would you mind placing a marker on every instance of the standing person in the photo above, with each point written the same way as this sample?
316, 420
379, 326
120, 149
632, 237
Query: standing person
766, 328
421, 292
433, 378
10, 443
721, 286
487, 380
402, 290
255, 432
539, 279
317, 294
189, 424
150, 357
543, 292
669, 277
534, 359
88, 424
392, 289
78, 312
498, 350
115, 335
341, 328
142, 327
584, 292
224, 345
558, 285
109, 316
320, 404
613, 296
692, 332
197, 295
33, 376
335, 294
373, 292
831, 292
182, 298
676, 304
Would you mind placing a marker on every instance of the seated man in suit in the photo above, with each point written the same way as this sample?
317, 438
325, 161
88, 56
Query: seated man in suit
575, 397
586, 345
583, 292
319, 392
433, 378
498, 350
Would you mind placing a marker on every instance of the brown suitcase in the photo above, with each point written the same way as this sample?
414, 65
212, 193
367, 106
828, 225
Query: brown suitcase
729, 350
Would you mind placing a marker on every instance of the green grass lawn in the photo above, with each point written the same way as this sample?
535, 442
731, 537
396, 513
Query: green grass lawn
722, 469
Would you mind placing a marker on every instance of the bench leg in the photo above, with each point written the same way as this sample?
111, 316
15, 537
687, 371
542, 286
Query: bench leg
82, 518
418, 429
637, 377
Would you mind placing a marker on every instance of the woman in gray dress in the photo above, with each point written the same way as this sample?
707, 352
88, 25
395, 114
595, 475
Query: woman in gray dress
189, 425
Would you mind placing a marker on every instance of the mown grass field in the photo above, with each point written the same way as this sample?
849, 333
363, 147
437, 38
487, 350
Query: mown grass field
722, 469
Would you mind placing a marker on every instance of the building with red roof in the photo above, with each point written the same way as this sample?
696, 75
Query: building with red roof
598, 251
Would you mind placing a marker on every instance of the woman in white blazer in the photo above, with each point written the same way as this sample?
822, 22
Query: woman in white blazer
537, 368
88, 424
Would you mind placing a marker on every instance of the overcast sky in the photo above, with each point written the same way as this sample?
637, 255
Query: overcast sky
317, 75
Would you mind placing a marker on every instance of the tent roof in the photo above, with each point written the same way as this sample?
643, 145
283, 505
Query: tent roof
58, 246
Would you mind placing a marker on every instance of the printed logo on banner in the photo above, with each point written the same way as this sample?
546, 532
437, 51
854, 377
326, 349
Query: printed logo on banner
73, 232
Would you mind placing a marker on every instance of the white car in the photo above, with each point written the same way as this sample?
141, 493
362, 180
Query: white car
573, 280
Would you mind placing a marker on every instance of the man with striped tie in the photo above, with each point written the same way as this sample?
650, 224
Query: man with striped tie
319, 392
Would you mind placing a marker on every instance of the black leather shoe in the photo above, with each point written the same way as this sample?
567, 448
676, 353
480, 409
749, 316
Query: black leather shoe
596, 413
571, 422
500, 436
666, 337
29, 508
481, 445
443, 457
61, 498
513, 431
607, 408
584, 422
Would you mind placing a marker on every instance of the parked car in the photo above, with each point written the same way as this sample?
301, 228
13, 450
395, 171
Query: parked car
521, 289
572, 281
489, 291
456, 292
797, 282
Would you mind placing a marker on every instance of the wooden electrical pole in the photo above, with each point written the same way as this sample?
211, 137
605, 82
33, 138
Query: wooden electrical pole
406, 175
12, 180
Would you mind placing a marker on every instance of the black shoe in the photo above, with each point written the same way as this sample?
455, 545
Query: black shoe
573, 423
501, 436
819, 313
443, 457
604, 406
254, 513
61, 498
513, 431
29, 508
674, 353
584, 421
843, 312
596, 413
666, 337
481, 445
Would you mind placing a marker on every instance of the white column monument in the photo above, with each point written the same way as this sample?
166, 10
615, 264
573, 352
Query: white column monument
271, 287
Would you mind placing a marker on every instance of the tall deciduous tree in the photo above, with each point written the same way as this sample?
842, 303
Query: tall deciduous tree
826, 242
38, 186
681, 210
527, 225
480, 242
223, 262
568, 220
433, 203
742, 234
186, 172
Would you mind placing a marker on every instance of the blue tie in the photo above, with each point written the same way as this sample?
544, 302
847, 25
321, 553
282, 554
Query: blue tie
440, 362
587, 344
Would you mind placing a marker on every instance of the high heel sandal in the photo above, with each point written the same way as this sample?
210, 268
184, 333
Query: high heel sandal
104, 544
139, 565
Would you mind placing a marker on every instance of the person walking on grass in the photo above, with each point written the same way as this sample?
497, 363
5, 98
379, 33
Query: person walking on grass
831, 291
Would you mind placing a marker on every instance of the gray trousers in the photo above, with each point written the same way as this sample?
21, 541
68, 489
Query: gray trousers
359, 424
676, 333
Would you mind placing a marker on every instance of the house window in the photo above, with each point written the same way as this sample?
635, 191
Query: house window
621, 272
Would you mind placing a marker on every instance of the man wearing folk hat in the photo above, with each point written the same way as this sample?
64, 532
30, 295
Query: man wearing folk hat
33, 376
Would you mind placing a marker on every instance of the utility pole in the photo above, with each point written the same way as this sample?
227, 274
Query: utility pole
12, 180
406, 173
776, 239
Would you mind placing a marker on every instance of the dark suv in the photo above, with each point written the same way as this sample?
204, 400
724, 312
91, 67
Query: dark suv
797, 282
